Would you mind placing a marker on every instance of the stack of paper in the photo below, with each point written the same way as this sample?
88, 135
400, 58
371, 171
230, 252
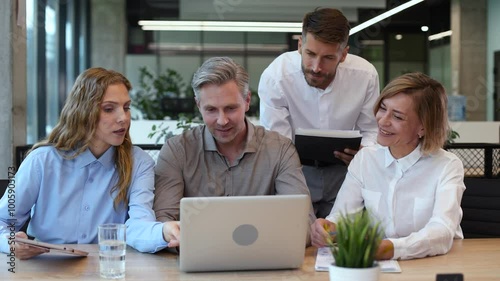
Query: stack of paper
324, 258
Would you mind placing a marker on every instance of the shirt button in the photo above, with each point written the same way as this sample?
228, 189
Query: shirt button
84, 236
87, 207
91, 180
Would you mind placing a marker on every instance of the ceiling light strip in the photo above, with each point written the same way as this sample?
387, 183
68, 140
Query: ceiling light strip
439, 35
239, 26
228, 24
383, 16
221, 28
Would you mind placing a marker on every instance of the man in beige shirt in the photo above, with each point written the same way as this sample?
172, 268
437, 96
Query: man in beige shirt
228, 156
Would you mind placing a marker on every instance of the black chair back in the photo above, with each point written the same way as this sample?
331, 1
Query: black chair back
481, 207
3, 186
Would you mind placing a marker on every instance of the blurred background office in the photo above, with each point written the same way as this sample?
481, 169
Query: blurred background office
47, 43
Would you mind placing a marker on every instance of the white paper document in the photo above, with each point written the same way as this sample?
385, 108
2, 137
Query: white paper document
324, 258
329, 133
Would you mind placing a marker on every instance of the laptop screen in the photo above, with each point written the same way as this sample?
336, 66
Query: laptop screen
243, 232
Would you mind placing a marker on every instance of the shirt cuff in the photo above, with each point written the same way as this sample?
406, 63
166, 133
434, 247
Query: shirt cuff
146, 237
159, 241
399, 250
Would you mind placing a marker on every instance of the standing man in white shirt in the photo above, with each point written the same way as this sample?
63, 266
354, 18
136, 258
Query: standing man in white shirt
323, 87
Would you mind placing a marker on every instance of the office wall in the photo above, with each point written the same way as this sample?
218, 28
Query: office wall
493, 44
13, 81
6, 89
440, 65
108, 36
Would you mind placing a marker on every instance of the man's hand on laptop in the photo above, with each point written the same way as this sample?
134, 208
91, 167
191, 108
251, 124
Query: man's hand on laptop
172, 233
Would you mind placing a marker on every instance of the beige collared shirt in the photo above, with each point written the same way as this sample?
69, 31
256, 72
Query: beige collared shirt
190, 165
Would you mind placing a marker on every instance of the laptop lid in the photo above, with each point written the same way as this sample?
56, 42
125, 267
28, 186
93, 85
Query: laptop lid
243, 232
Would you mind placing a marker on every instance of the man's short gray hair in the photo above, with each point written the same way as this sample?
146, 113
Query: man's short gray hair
218, 71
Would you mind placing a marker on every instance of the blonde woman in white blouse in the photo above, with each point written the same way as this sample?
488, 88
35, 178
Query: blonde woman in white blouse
408, 181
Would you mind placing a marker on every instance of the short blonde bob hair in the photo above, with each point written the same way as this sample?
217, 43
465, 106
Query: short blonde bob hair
429, 98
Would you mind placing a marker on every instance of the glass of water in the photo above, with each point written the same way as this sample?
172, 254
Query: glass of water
112, 248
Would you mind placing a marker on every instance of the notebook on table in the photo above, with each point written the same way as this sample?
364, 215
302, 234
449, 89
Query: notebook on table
243, 232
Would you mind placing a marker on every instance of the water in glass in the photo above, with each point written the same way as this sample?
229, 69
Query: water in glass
112, 259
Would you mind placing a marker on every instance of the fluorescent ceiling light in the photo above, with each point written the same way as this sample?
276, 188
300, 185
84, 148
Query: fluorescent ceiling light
439, 35
383, 16
220, 23
222, 28
217, 47
292, 27
369, 42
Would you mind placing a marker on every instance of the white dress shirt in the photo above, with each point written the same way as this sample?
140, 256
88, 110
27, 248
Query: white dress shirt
416, 198
287, 102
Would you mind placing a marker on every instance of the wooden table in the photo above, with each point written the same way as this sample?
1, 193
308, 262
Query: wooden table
477, 259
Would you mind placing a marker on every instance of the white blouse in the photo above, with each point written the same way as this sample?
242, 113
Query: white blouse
416, 198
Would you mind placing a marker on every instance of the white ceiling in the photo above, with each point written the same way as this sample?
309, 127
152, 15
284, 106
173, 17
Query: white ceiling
268, 10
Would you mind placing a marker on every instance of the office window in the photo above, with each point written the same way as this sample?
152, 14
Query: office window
57, 51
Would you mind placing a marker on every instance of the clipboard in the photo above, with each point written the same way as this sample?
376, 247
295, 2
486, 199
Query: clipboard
53, 247
318, 145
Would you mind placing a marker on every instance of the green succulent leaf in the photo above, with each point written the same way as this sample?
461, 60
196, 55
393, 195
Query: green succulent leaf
357, 240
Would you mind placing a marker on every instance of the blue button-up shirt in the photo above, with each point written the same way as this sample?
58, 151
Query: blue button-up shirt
68, 199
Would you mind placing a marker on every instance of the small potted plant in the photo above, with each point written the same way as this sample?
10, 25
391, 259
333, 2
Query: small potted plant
357, 239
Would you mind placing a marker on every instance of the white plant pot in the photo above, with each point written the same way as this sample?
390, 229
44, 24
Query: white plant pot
352, 274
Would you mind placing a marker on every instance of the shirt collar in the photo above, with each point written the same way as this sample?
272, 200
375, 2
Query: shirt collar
406, 162
86, 158
251, 143
208, 140
331, 86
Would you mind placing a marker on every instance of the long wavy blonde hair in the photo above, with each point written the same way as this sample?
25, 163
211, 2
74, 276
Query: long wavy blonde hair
78, 123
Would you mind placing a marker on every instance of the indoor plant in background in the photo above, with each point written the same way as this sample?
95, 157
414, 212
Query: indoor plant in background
452, 136
357, 239
155, 94
166, 101
163, 132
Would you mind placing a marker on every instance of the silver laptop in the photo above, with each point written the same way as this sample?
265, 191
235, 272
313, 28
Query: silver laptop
243, 232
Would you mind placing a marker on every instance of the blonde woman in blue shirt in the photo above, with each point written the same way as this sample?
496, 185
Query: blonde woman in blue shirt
86, 173
408, 182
